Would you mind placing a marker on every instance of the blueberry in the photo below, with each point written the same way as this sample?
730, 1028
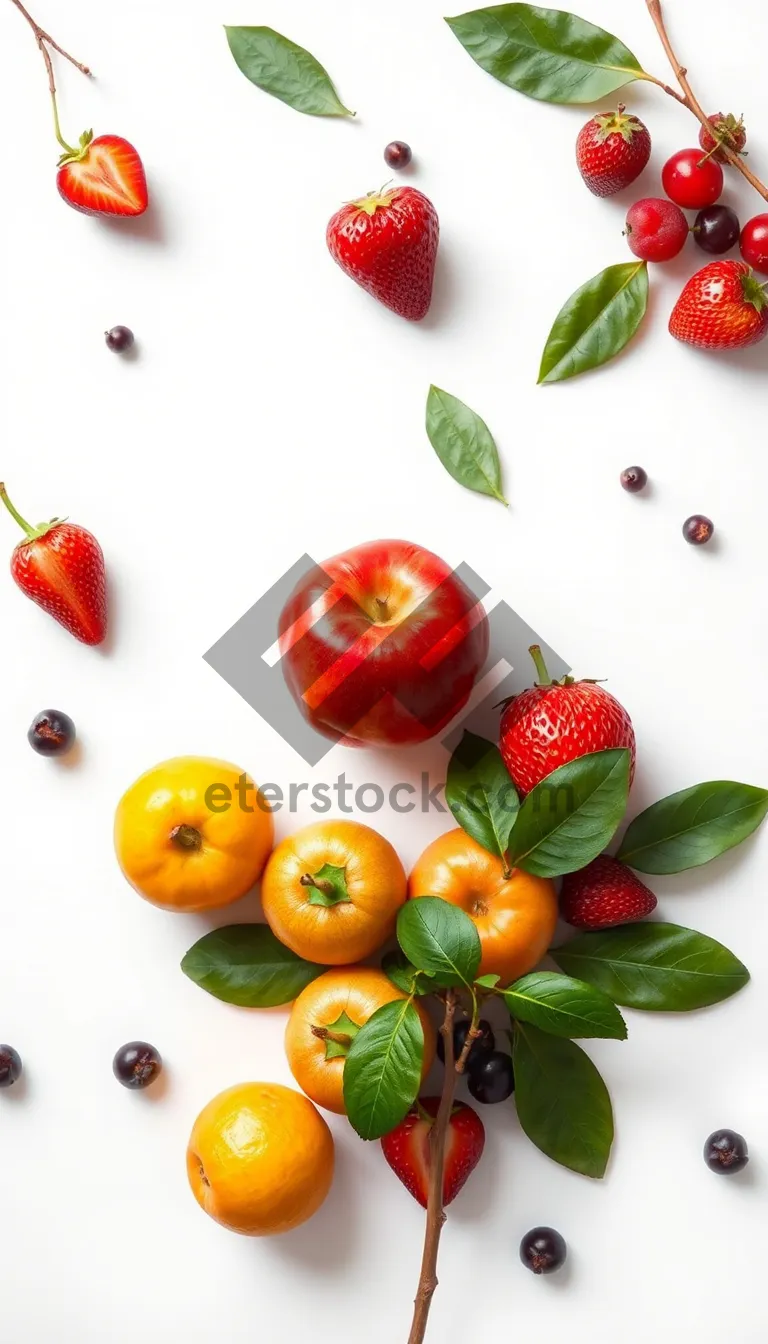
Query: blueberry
51, 733
698, 530
10, 1065
633, 479
137, 1064
483, 1043
398, 154
490, 1078
726, 1151
716, 229
543, 1250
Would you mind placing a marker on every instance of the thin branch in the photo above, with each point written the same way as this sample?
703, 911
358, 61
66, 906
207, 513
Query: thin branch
472, 1035
435, 1210
42, 38
692, 103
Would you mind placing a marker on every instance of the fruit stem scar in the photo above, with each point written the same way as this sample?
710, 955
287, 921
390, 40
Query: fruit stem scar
338, 1037
186, 837
319, 883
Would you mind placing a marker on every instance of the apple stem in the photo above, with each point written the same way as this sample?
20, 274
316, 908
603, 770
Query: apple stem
435, 1211
689, 100
44, 41
320, 884
23, 524
542, 676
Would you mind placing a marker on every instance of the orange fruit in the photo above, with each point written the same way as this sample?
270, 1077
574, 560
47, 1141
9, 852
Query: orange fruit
260, 1159
193, 833
324, 1021
514, 915
331, 892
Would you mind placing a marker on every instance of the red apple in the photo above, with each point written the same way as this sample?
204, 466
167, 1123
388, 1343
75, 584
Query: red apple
382, 644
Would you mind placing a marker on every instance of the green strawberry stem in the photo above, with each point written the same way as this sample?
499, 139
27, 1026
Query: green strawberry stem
44, 41
542, 675
23, 524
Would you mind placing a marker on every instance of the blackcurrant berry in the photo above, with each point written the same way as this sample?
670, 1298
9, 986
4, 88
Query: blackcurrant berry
398, 154
717, 229
490, 1078
482, 1044
10, 1065
633, 479
137, 1064
51, 733
119, 339
725, 1152
543, 1250
698, 530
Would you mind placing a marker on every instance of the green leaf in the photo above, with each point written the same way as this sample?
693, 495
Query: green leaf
488, 981
562, 1102
403, 975
464, 444
441, 939
328, 886
288, 72
654, 967
247, 965
596, 322
568, 819
691, 827
481, 794
546, 53
382, 1072
564, 1007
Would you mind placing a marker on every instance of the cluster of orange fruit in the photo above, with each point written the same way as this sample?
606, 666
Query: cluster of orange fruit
195, 834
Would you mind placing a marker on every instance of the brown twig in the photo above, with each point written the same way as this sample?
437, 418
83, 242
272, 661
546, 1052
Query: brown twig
44, 41
472, 1035
435, 1210
690, 101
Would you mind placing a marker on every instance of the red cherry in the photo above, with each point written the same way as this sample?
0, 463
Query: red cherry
754, 243
691, 180
656, 229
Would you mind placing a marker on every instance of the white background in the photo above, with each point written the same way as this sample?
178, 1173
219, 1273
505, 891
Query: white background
272, 408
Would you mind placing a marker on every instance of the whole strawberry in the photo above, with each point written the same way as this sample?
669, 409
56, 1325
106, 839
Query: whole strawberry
604, 893
723, 307
730, 132
61, 567
407, 1151
387, 243
612, 150
556, 722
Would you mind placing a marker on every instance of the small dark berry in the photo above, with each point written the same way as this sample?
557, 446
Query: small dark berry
633, 479
398, 154
490, 1078
10, 1065
716, 229
726, 1151
543, 1250
137, 1064
698, 530
52, 733
119, 339
482, 1044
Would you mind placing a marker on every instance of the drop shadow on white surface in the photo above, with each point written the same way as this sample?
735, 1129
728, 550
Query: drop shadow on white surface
157, 1091
17, 1093
73, 759
147, 228
326, 1243
443, 305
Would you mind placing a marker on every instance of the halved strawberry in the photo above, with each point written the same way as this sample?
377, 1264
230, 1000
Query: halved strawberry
104, 176
407, 1148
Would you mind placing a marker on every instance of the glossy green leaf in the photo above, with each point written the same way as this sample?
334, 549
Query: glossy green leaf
247, 965
280, 67
565, 1007
439, 938
562, 1102
568, 819
691, 827
464, 444
382, 1072
547, 54
404, 975
488, 981
654, 967
481, 794
596, 322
